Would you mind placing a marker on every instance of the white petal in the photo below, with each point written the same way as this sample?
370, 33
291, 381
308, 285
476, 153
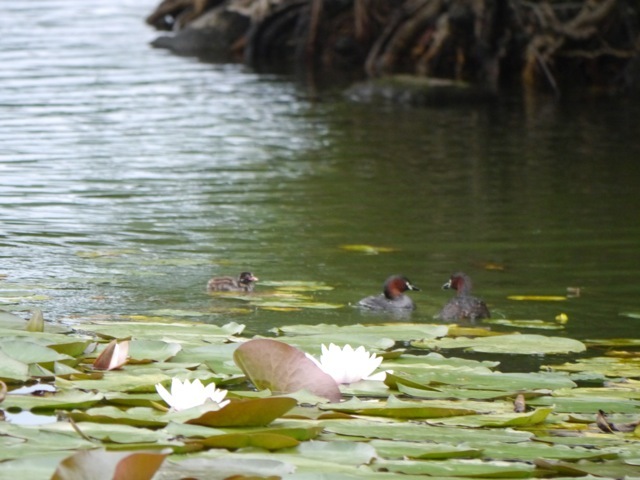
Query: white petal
166, 396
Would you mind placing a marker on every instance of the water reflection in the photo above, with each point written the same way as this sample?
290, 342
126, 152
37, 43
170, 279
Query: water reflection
129, 177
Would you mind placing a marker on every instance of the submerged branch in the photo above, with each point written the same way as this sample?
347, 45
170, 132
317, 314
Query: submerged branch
543, 45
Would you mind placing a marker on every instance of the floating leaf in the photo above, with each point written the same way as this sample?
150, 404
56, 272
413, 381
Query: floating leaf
460, 468
36, 322
153, 350
136, 416
422, 451
525, 344
399, 409
28, 351
113, 465
11, 321
268, 441
113, 356
254, 412
608, 366
367, 249
61, 399
538, 324
537, 298
415, 432
275, 438
12, 370
276, 366
501, 420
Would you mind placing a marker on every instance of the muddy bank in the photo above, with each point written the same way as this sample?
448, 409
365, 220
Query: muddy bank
491, 45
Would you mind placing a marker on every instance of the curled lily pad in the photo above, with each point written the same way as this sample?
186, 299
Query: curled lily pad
279, 367
113, 356
36, 322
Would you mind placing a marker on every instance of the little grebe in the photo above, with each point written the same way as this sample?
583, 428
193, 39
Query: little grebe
244, 283
392, 297
463, 306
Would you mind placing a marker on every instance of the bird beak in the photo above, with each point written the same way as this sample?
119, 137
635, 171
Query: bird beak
413, 287
447, 285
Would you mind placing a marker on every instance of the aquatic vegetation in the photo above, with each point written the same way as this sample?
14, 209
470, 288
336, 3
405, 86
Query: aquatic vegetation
235, 400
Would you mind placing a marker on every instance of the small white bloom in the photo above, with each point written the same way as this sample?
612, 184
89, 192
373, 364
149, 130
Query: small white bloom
347, 365
187, 395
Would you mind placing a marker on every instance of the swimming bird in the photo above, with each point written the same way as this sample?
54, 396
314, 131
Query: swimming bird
392, 298
463, 306
244, 283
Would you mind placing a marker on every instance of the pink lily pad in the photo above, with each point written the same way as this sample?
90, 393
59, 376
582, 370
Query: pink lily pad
281, 368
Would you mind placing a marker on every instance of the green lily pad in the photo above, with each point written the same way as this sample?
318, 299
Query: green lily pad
511, 344
398, 409
12, 370
415, 432
533, 324
30, 352
460, 468
607, 469
502, 420
136, 416
607, 366
276, 438
61, 399
155, 350
422, 451
183, 333
481, 379
18, 441
132, 380
367, 249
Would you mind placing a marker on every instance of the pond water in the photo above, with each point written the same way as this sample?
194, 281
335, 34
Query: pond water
129, 176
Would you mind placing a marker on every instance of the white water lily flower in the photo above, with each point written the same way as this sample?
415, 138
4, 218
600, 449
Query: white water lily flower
347, 365
187, 395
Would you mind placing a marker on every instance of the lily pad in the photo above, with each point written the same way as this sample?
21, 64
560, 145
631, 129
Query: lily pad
254, 412
422, 451
368, 249
608, 366
415, 432
533, 324
61, 399
525, 344
276, 366
460, 468
398, 409
503, 420
102, 464
537, 298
